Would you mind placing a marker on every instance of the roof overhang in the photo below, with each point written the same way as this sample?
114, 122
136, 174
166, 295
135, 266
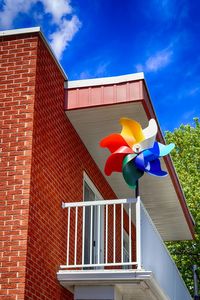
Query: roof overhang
94, 108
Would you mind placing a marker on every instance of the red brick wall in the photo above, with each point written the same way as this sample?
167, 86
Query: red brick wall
17, 81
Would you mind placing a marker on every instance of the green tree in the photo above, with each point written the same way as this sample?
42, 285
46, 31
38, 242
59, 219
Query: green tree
186, 158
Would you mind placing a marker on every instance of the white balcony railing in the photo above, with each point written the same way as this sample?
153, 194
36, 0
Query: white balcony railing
95, 240
102, 244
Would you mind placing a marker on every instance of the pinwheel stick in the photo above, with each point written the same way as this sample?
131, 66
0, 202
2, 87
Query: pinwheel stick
137, 189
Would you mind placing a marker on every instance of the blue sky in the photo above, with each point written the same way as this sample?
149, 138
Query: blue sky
99, 38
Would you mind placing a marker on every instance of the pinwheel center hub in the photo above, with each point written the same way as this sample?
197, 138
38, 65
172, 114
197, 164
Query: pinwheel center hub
137, 148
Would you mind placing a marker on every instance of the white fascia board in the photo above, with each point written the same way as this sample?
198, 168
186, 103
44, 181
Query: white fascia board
103, 276
20, 31
104, 81
39, 31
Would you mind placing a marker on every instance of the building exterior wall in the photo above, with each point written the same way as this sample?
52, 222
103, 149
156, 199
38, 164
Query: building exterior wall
17, 93
42, 164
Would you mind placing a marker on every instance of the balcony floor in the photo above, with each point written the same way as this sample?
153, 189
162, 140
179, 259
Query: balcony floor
132, 284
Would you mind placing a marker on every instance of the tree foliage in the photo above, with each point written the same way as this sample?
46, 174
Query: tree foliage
186, 158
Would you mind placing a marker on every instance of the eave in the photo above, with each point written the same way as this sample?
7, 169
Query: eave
94, 108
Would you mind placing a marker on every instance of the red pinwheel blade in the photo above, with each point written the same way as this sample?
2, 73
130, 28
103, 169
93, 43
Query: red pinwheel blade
115, 160
113, 142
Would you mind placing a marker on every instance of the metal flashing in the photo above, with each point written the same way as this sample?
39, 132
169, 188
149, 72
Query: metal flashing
104, 81
20, 31
38, 30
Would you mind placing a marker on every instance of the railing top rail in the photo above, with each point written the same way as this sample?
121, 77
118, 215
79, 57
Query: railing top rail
98, 202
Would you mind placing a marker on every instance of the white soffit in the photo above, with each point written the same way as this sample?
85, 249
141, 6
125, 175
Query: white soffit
158, 194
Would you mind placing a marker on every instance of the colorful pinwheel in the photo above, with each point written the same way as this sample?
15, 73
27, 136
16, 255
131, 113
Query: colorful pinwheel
135, 151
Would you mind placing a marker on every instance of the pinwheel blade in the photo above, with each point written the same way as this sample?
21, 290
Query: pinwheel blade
131, 173
151, 130
115, 160
141, 163
150, 135
158, 150
113, 142
165, 149
131, 131
155, 169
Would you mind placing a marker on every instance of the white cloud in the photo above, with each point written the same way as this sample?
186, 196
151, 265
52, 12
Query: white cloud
102, 69
165, 7
97, 69
188, 115
194, 91
60, 11
64, 34
85, 75
170, 10
11, 10
57, 9
157, 61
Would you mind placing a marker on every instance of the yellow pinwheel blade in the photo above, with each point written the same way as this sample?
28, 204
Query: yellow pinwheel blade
131, 131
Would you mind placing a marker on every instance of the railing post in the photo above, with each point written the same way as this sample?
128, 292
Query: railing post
130, 233
122, 233
68, 234
138, 233
83, 237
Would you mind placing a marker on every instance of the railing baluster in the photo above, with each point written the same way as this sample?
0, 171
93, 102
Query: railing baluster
122, 233
138, 233
83, 237
91, 233
114, 232
130, 236
68, 233
106, 246
75, 246
98, 235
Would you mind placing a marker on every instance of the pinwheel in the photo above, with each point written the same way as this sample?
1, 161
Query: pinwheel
135, 151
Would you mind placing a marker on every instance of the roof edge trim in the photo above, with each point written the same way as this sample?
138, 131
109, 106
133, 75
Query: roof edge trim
38, 30
20, 31
104, 80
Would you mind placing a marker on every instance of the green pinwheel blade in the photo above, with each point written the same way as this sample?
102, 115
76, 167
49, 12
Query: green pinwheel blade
130, 172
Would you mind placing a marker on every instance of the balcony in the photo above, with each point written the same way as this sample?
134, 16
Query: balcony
114, 250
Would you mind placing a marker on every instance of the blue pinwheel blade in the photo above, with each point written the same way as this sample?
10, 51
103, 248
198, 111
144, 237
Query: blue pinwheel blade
165, 149
157, 151
154, 168
140, 162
